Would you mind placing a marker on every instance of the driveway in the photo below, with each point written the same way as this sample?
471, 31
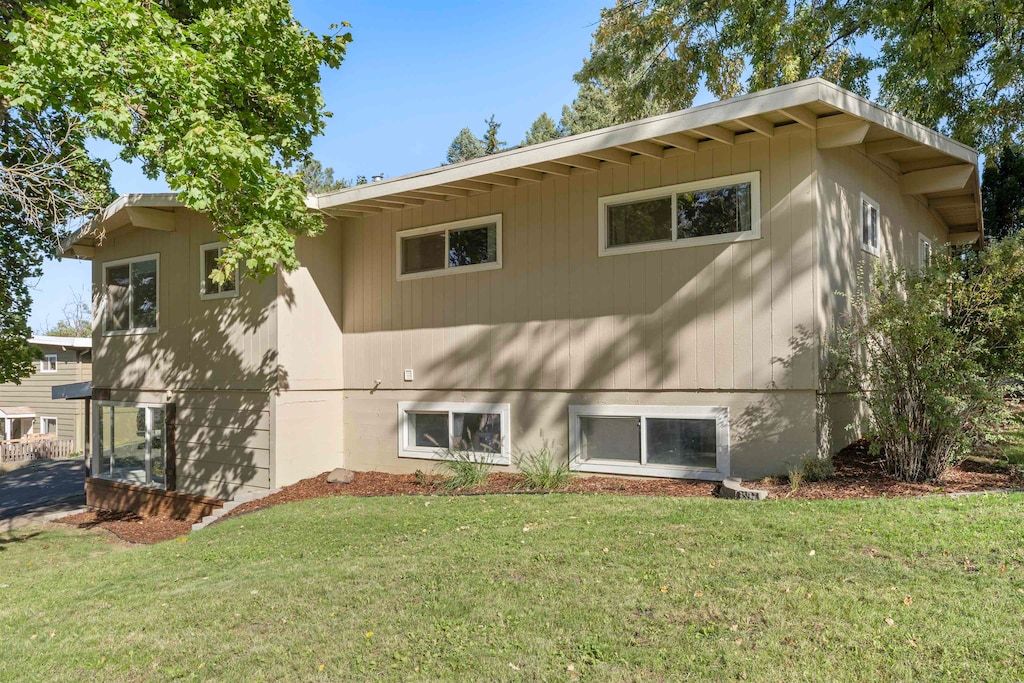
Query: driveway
40, 488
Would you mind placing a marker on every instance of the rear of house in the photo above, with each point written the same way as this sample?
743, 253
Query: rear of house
27, 409
648, 299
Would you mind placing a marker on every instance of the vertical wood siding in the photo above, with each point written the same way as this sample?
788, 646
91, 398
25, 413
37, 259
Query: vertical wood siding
556, 316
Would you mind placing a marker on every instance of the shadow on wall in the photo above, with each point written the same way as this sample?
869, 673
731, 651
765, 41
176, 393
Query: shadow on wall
218, 361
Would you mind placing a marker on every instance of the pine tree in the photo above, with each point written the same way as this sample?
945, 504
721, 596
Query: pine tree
319, 179
492, 144
1002, 194
465, 146
542, 130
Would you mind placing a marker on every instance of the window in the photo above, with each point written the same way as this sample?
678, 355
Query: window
48, 363
208, 255
48, 425
924, 250
131, 300
692, 214
657, 441
459, 247
129, 443
430, 430
869, 224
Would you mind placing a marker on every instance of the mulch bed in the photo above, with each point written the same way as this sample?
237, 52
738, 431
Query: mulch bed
857, 475
128, 526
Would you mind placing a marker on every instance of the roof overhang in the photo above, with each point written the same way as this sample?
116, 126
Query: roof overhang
16, 412
151, 211
71, 392
63, 342
932, 166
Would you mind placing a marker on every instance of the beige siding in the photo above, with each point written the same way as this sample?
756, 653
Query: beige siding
557, 316
35, 392
224, 344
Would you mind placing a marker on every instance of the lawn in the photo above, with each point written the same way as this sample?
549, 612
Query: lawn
525, 587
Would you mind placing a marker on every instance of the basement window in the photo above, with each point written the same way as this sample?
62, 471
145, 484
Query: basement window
459, 247
709, 211
654, 441
444, 431
132, 295
869, 224
129, 443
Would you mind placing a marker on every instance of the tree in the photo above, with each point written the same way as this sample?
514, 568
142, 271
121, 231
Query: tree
541, 130
318, 179
492, 145
928, 352
76, 320
595, 107
465, 146
954, 66
1002, 194
220, 97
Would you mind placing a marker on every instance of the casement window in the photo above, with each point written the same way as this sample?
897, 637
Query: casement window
712, 211
656, 441
460, 247
128, 443
132, 295
208, 289
48, 425
869, 224
48, 363
435, 430
924, 250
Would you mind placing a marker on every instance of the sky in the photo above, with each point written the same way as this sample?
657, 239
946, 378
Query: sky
415, 74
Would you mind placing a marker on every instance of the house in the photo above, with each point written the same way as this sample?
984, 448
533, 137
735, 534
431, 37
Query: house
29, 409
649, 299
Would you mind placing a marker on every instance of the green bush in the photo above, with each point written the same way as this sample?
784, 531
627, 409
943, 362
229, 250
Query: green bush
817, 469
541, 469
463, 469
928, 350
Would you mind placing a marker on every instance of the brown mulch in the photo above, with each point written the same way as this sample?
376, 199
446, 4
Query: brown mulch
857, 475
129, 526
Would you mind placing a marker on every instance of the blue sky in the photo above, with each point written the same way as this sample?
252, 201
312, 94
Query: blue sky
416, 73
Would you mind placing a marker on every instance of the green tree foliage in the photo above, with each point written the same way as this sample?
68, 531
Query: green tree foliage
595, 107
319, 179
492, 145
465, 146
955, 66
1002, 194
928, 351
541, 130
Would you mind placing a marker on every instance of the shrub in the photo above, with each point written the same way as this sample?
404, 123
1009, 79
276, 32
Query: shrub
796, 478
817, 469
927, 351
541, 469
463, 469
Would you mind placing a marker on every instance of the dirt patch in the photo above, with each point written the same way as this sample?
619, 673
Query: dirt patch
129, 526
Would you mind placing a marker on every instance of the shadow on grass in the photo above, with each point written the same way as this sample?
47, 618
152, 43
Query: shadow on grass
11, 537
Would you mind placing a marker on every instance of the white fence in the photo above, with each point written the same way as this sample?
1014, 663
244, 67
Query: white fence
41, 447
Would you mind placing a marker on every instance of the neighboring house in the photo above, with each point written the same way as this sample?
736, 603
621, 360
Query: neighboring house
649, 298
28, 408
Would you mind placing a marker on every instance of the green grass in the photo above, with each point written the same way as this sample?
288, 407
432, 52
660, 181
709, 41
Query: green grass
525, 587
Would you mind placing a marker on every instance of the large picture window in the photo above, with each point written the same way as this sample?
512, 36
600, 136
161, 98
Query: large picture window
459, 247
657, 441
129, 443
132, 294
691, 214
434, 430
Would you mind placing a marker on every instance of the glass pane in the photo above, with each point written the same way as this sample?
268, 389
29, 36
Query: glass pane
477, 432
690, 443
423, 253
118, 282
610, 438
645, 221
428, 430
144, 294
471, 246
158, 465
874, 226
717, 211
49, 426
124, 443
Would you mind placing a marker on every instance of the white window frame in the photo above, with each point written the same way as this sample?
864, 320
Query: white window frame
44, 364
873, 249
753, 177
923, 242
204, 282
447, 229
407, 450
105, 301
97, 442
641, 413
42, 424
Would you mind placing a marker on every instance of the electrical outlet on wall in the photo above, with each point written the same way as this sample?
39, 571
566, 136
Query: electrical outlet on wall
408, 375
